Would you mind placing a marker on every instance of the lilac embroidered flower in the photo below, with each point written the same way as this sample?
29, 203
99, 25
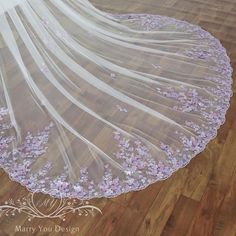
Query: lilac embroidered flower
198, 53
121, 109
44, 68
113, 76
78, 188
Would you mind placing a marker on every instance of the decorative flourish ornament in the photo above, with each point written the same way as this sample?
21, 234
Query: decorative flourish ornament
49, 208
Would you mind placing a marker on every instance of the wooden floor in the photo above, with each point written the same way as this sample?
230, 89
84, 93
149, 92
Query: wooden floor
198, 200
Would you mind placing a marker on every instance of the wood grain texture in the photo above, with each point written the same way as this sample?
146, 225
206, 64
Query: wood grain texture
199, 200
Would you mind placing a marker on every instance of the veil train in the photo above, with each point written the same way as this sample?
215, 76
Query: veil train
95, 104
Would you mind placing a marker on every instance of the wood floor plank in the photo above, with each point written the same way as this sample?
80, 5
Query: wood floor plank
181, 217
226, 217
205, 217
161, 209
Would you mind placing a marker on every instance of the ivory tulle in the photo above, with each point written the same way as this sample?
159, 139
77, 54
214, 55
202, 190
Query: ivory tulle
95, 104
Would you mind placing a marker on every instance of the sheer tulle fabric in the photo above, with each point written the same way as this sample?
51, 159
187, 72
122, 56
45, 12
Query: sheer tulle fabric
95, 105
